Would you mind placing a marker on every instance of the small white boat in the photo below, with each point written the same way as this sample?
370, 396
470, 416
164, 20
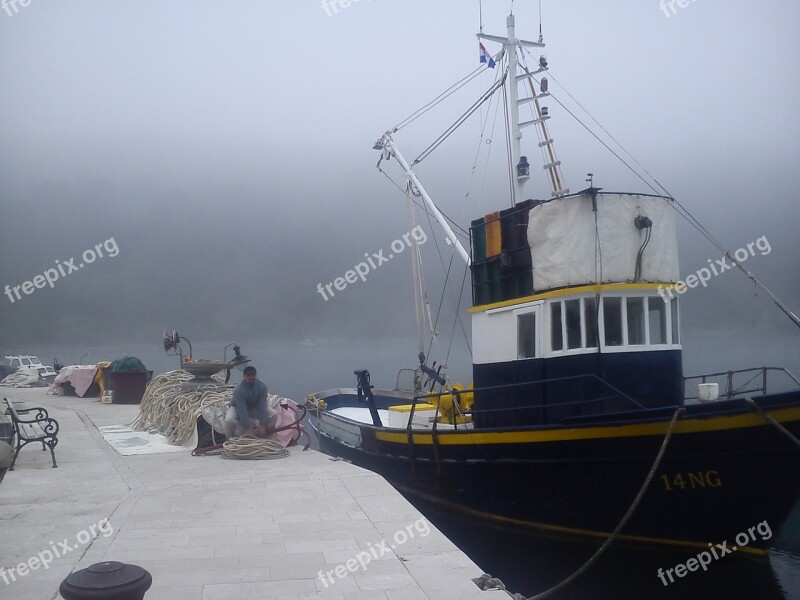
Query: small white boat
26, 361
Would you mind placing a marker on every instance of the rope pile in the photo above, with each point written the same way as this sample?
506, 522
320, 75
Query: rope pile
173, 412
250, 447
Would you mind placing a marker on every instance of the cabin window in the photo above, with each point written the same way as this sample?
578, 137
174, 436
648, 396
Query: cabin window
556, 337
612, 321
675, 329
573, 318
526, 335
657, 320
626, 321
635, 313
590, 319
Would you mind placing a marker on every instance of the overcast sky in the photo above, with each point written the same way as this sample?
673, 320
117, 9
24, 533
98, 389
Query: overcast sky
226, 149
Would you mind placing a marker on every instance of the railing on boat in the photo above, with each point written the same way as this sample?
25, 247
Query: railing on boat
755, 383
757, 378
616, 394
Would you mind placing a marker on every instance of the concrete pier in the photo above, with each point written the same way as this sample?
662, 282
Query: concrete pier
213, 529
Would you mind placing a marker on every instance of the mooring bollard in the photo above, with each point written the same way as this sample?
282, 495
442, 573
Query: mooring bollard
107, 581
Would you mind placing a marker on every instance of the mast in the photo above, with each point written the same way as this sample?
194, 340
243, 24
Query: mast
516, 133
520, 162
511, 43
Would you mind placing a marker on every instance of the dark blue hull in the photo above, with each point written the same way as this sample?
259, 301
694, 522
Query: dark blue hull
725, 470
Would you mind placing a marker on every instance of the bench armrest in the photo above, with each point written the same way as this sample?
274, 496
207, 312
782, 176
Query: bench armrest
41, 414
48, 426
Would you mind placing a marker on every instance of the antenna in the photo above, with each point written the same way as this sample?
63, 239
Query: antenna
480, 14
541, 37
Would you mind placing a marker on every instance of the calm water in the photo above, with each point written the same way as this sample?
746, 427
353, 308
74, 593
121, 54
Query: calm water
527, 565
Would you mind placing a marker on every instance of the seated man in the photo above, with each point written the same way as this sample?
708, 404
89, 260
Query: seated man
250, 401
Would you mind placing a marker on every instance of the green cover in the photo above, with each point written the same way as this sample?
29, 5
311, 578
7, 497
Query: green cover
128, 364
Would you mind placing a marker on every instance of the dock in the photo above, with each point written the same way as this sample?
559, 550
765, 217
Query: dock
207, 528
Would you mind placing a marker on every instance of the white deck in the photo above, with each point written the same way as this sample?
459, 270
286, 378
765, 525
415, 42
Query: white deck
362, 415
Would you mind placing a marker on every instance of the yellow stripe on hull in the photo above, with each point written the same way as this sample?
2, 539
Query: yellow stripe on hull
692, 425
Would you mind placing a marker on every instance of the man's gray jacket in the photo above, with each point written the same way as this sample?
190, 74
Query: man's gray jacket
247, 397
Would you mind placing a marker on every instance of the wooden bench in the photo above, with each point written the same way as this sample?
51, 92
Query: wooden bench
38, 428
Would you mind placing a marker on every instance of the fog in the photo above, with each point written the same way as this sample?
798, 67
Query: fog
226, 150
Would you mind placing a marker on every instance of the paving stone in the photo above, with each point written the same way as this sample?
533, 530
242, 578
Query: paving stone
213, 529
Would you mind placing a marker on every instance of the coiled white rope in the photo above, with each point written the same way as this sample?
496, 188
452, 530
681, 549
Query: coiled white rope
250, 447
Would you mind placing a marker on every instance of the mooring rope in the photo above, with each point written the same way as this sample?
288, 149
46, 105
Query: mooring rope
768, 418
625, 519
250, 447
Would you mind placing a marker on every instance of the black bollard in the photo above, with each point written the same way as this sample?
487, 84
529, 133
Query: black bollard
107, 581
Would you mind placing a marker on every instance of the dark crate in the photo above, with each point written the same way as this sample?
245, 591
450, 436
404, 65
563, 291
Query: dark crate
128, 388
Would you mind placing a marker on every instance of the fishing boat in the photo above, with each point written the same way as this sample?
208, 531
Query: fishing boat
579, 420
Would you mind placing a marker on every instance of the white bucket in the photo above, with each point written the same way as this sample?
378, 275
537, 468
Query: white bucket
708, 392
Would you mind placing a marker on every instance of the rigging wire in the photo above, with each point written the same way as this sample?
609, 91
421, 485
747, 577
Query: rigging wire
456, 303
489, 153
457, 318
658, 190
458, 122
463, 233
440, 98
595, 136
422, 303
484, 124
417, 274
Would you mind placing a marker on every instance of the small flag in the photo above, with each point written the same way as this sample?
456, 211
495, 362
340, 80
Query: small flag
486, 57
